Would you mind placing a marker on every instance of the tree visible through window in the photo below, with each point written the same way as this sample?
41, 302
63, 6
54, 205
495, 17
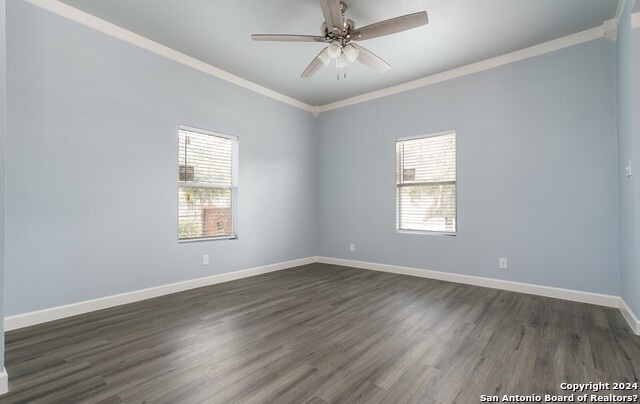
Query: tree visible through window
426, 183
207, 184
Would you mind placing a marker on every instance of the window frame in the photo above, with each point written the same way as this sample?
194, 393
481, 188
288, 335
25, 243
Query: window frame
233, 187
398, 186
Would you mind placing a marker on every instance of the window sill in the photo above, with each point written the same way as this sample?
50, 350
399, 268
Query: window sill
197, 240
427, 233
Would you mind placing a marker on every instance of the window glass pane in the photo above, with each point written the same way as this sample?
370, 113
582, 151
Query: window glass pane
431, 159
204, 212
205, 158
428, 207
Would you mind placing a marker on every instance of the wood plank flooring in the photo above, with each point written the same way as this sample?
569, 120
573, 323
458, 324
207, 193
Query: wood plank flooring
322, 334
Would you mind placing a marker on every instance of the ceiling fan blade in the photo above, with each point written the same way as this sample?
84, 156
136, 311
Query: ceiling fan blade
371, 60
288, 38
390, 26
332, 13
317, 62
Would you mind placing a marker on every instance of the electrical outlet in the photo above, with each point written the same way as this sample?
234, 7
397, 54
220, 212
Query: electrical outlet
352, 247
205, 260
502, 263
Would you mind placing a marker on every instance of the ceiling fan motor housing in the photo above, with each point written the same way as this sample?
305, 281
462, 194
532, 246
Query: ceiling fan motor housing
340, 34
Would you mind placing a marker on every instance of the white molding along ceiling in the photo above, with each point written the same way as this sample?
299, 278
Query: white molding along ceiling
362, 95
115, 31
610, 27
477, 67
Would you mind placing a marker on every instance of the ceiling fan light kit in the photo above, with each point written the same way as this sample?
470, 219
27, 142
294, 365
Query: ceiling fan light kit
351, 52
334, 50
338, 32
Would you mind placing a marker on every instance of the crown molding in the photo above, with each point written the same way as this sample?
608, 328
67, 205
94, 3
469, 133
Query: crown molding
620, 9
536, 50
610, 27
118, 32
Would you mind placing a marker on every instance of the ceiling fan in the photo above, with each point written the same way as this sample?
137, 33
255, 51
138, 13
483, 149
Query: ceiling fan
339, 32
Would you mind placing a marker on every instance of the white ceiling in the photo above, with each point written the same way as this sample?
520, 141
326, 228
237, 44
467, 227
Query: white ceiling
459, 32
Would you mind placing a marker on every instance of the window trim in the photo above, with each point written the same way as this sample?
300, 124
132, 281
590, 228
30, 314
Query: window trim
427, 232
233, 187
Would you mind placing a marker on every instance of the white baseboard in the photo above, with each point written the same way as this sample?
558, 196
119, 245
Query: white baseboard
68, 310
4, 381
547, 291
55, 313
630, 316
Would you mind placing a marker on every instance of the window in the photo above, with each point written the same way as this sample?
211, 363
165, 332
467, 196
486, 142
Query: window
207, 176
426, 183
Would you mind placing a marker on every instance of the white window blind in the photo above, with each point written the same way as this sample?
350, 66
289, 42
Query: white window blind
207, 171
426, 183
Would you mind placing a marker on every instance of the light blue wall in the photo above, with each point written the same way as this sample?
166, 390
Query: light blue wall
628, 58
3, 111
91, 167
537, 173
631, 292
630, 279
91, 170
625, 141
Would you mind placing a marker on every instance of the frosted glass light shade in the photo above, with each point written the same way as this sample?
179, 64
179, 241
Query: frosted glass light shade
334, 51
351, 52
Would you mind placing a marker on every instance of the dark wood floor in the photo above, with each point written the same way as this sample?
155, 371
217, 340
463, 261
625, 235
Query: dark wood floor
322, 334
